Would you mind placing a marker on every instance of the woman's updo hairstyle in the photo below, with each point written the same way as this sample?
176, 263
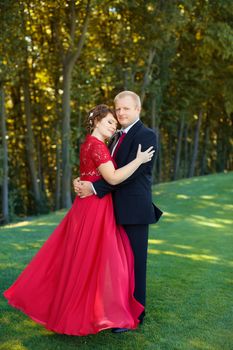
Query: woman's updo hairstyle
96, 114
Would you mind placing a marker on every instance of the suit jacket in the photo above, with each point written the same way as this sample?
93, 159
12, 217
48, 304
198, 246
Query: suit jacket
132, 199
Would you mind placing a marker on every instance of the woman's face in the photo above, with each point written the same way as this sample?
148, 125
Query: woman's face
107, 126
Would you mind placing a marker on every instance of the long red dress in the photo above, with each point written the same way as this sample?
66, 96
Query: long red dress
82, 279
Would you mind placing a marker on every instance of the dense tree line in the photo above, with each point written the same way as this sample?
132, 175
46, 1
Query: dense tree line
59, 58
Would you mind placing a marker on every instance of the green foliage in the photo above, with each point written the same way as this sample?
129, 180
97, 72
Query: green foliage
177, 55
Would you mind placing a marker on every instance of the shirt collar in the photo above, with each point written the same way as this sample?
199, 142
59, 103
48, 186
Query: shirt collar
130, 126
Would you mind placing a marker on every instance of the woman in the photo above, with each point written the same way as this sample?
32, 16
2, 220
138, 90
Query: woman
82, 280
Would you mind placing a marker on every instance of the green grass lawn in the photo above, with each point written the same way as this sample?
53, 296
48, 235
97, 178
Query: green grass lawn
190, 268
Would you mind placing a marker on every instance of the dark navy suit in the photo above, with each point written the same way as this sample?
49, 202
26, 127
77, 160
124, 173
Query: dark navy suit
132, 199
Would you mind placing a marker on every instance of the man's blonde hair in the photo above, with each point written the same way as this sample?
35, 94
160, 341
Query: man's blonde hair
132, 94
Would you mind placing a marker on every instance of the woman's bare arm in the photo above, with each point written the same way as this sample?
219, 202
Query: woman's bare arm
115, 176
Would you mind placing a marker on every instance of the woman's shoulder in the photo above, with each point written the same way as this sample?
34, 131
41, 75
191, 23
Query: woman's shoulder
92, 142
99, 152
95, 145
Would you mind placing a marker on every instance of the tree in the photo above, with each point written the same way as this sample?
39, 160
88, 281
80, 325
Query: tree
61, 58
69, 58
5, 190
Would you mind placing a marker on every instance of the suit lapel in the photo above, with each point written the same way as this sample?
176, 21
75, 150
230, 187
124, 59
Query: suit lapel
124, 148
113, 140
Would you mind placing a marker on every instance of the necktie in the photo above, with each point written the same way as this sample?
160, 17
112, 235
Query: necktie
118, 144
113, 141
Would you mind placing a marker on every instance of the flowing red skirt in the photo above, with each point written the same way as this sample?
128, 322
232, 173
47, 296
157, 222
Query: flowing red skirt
82, 279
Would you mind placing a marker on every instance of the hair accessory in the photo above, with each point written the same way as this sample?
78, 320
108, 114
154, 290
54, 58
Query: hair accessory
90, 118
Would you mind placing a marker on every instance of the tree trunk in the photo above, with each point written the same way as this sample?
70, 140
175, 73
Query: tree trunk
155, 127
5, 200
69, 60
66, 166
30, 142
30, 148
196, 143
58, 177
146, 79
58, 149
220, 162
40, 171
171, 142
178, 148
186, 162
159, 159
205, 147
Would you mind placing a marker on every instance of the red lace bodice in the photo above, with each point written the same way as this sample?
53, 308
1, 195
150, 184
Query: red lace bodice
93, 152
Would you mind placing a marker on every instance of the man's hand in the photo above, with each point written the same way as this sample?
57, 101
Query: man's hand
82, 188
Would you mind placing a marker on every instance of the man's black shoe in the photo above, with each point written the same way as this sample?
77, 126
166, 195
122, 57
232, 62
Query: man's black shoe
120, 330
141, 317
141, 321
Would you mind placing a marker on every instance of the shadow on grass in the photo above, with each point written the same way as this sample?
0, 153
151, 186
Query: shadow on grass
22, 333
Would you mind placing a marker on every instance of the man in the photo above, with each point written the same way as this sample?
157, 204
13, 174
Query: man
132, 198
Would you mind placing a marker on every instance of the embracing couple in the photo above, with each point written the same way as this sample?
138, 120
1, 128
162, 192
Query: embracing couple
90, 275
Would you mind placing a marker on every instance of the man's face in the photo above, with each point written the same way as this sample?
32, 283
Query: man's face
126, 110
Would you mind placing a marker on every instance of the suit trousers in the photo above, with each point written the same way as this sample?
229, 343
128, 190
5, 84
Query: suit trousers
138, 236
